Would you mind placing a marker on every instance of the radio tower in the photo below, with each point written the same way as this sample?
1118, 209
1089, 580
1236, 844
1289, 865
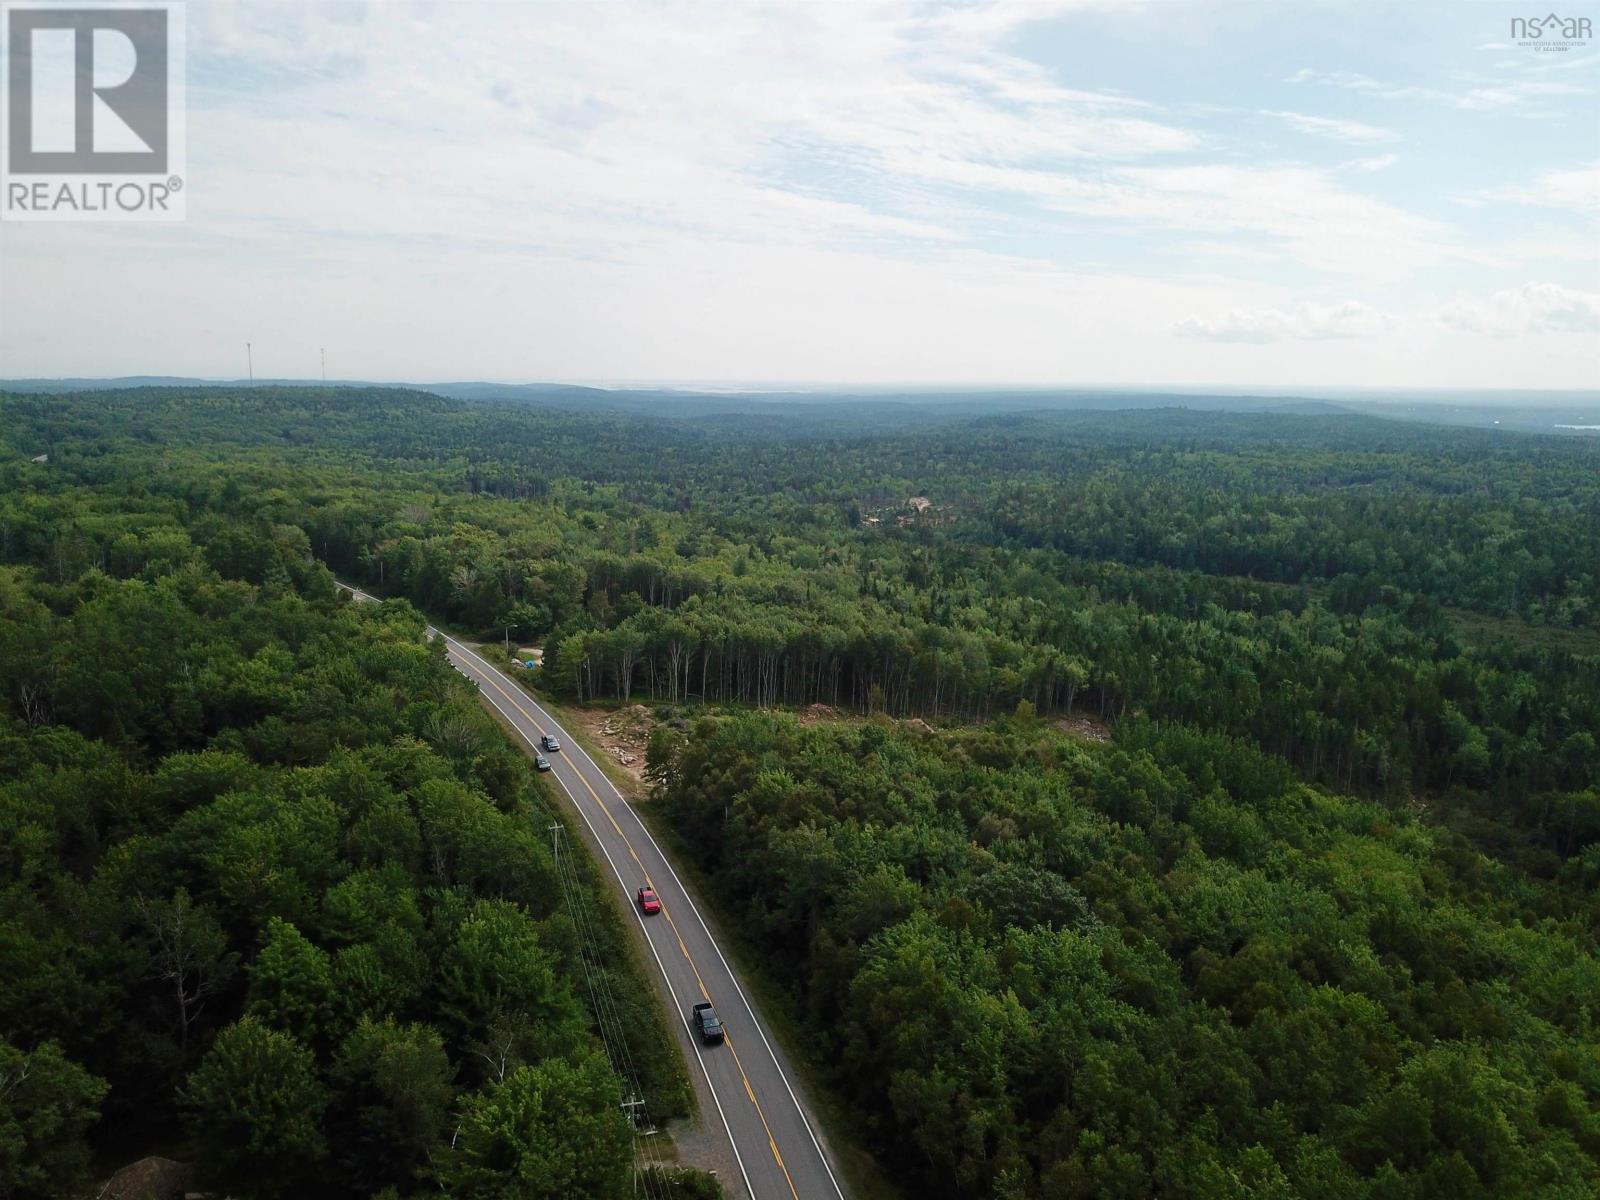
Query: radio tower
324, 367
250, 361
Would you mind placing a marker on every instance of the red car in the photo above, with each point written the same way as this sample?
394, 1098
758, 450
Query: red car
648, 903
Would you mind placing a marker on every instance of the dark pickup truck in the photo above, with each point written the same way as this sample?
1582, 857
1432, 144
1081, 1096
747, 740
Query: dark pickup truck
708, 1023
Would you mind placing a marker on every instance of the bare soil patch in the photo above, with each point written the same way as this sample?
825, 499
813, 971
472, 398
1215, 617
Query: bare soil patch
623, 733
149, 1179
815, 714
1088, 728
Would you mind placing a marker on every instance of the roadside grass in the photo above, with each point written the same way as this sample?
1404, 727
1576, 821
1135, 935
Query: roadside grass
664, 1073
863, 1180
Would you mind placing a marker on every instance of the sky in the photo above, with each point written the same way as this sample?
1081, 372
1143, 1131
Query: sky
1269, 193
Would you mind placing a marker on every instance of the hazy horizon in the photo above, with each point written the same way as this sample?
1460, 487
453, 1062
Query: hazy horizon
900, 193
749, 387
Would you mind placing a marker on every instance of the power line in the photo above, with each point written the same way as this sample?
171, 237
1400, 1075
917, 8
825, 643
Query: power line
608, 1019
608, 1012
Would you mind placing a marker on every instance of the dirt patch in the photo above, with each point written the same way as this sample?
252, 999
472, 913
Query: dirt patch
815, 714
1087, 728
623, 733
694, 1146
149, 1179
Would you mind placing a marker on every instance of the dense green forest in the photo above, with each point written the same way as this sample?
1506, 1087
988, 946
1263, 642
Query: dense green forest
272, 899
1299, 581
1320, 920
1163, 967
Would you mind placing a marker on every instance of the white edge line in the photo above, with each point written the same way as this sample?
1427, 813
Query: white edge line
699, 1054
704, 928
678, 1004
733, 978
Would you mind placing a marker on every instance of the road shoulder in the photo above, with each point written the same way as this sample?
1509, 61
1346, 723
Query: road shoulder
826, 1112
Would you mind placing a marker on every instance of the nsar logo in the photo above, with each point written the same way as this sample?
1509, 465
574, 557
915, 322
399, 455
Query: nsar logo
1551, 32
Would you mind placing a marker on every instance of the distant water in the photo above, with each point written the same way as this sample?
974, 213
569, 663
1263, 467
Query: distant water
1578, 426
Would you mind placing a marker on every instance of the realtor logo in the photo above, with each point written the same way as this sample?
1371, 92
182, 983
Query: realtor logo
93, 125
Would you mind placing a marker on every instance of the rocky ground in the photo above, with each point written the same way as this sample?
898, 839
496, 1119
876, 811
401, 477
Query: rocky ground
1085, 727
624, 733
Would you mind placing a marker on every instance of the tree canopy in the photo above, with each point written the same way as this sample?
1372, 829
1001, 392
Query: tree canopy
258, 901
1318, 919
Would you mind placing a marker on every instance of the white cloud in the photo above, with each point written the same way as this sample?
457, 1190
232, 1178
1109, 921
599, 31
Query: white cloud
1356, 132
890, 124
887, 189
1376, 163
1301, 212
1576, 189
1531, 308
1525, 97
794, 124
1306, 321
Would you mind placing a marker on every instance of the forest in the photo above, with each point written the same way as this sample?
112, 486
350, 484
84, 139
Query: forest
1160, 968
276, 898
1320, 918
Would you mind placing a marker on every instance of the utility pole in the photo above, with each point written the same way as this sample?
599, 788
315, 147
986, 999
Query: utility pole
250, 361
631, 1106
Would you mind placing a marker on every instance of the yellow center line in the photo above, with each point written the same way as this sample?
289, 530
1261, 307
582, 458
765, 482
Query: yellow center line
772, 1143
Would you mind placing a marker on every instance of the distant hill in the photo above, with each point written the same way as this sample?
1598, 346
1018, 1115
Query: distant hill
94, 385
1553, 412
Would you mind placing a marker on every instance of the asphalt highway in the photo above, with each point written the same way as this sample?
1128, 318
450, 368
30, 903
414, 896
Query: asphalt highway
756, 1099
